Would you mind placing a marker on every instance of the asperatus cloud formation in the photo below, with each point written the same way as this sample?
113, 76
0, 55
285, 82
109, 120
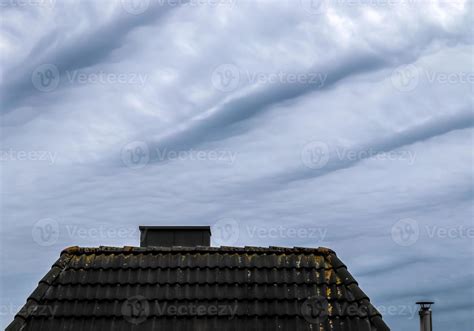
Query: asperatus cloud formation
327, 140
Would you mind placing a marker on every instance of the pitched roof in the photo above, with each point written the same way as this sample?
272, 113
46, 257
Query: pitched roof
199, 288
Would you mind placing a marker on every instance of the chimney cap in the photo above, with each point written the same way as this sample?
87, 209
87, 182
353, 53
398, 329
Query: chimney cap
425, 304
173, 227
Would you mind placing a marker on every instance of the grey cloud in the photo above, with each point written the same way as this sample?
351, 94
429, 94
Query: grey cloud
84, 50
433, 128
218, 124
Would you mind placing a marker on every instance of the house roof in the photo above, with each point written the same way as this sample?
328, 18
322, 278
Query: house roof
198, 288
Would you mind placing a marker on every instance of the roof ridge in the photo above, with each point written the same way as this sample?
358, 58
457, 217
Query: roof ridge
76, 250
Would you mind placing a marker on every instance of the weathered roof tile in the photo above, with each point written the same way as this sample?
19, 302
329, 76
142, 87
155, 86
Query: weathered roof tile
198, 288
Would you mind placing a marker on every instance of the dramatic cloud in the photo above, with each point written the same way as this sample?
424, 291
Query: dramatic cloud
345, 124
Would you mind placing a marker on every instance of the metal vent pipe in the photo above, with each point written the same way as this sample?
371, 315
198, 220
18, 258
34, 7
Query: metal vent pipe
426, 322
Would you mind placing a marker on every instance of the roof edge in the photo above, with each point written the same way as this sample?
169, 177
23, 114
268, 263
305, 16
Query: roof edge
31, 304
349, 281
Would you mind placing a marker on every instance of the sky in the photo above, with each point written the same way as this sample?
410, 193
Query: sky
345, 124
